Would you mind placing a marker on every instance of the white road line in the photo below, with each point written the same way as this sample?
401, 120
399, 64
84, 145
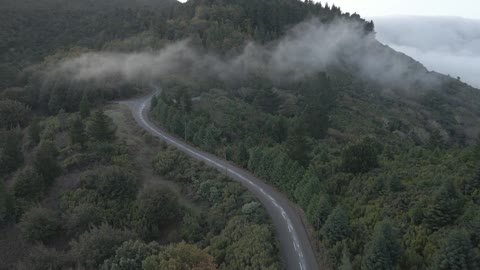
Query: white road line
291, 229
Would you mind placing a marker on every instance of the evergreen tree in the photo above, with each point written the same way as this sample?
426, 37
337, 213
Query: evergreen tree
445, 208
267, 100
337, 226
297, 147
84, 106
7, 206
457, 253
77, 132
45, 161
361, 158
383, 251
34, 132
11, 155
345, 263
318, 210
100, 127
29, 185
320, 99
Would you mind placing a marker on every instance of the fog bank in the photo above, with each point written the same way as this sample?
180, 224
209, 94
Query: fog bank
309, 48
448, 45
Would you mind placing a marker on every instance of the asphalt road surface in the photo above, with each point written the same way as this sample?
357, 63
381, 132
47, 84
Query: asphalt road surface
295, 246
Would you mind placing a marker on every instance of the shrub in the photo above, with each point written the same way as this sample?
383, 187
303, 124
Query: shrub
39, 224
95, 246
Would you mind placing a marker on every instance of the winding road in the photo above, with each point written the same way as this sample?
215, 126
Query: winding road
295, 246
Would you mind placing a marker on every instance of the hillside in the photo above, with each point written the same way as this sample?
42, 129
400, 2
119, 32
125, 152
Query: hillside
380, 153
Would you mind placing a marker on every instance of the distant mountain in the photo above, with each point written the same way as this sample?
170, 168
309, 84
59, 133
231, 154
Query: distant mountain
450, 45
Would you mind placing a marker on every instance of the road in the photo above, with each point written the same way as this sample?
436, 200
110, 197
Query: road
295, 246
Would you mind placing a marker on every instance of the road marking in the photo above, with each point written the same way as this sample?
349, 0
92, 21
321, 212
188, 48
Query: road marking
293, 233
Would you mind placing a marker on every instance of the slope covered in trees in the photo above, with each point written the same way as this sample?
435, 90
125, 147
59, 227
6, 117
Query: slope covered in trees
381, 154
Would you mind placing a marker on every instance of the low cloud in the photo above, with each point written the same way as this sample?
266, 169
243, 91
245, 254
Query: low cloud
448, 45
306, 49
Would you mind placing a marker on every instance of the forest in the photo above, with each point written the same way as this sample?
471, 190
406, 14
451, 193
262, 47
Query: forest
387, 174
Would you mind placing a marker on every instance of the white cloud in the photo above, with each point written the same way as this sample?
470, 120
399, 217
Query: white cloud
448, 45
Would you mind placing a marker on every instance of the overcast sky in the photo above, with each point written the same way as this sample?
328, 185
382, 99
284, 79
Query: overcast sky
368, 8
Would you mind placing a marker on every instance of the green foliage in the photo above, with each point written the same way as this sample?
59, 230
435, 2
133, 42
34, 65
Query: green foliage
34, 132
13, 114
41, 257
84, 106
11, 155
296, 143
360, 158
244, 246
180, 256
267, 100
456, 253
112, 183
98, 244
29, 185
318, 210
84, 217
337, 226
39, 224
345, 263
77, 132
156, 207
130, 255
45, 161
383, 250
7, 206
445, 208
168, 160
100, 127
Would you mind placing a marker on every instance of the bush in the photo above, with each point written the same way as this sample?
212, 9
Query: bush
156, 207
43, 258
130, 255
84, 217
7, 206
29, 185
180, 256
361, 158
100, 243
13, 114
45, 161
39, 224
112, 183
11, 156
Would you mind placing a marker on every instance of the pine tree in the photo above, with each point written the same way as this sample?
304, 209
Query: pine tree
11, 155
383, 251
45, 161
297, 147
456, 253
100, 128
318, 210
360, 158
267, 100
34, 132
445, 208
337, 226
84, 106
77, 132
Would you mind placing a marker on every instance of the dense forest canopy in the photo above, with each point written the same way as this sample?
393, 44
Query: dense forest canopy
381, 154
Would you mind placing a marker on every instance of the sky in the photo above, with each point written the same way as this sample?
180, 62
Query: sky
370, 8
